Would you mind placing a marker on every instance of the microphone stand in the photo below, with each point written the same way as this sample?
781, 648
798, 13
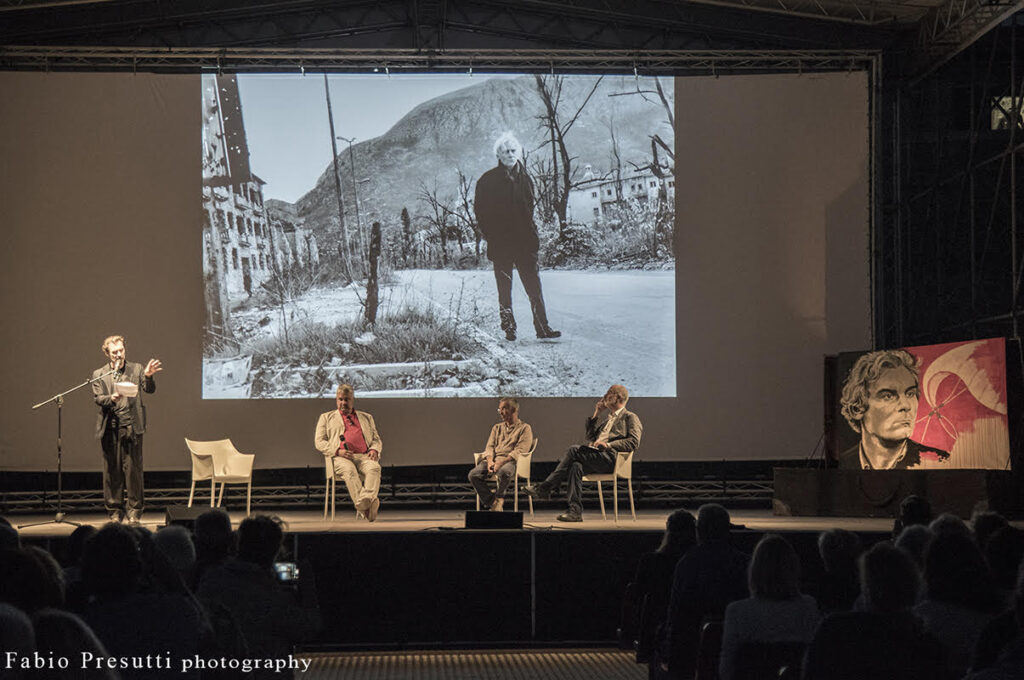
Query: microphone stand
58, 399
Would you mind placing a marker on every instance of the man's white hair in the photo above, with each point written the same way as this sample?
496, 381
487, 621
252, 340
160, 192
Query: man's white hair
506, 137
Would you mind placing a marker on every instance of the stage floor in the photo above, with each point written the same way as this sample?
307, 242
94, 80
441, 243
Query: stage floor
310, 521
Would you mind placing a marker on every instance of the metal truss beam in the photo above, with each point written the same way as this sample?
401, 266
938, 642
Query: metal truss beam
956, 260
868, 12
240, 60
654, 492
430, 24
10, 5
954, 26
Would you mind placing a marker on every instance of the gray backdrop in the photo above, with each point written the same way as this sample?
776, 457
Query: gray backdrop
101, 224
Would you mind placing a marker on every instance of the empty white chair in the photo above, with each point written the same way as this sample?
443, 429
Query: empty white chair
220, 462
623, 470
522, 472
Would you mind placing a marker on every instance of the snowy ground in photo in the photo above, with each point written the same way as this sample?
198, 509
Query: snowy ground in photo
617, 326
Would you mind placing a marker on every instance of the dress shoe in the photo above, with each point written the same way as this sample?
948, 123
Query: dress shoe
510, 334
548, 334
114, 517
570, 517
497, 505
371, 512
537, 492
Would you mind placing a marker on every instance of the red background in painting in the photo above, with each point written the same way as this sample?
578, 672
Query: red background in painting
959, 411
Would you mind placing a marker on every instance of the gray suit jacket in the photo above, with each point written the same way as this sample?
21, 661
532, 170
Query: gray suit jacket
624, 435
103, 388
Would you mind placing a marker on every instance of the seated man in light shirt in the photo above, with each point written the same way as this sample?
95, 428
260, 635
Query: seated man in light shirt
350, 439
509, 439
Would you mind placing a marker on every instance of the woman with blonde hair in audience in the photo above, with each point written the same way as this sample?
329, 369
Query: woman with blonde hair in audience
775, 612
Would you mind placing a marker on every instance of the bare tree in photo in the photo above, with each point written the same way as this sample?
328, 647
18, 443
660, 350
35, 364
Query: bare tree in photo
550, 87
287, 283
616, 159
439, 212
662, 163
407, 244
544, 180
464, 215
343, 246
372, 293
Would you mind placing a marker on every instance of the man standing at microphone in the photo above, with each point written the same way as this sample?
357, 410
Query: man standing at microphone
117, 388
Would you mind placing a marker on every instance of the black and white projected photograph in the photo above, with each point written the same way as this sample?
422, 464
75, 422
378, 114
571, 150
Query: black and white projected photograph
438, 235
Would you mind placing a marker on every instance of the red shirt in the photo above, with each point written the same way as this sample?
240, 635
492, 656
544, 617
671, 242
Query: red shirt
353, 439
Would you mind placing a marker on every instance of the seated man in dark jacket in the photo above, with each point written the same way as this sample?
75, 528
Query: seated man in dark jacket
706, 580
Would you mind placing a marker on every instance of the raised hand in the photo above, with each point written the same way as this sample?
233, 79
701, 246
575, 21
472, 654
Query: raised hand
153, 366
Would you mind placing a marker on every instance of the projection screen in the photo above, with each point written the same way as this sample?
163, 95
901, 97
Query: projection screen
287, 258
717, 319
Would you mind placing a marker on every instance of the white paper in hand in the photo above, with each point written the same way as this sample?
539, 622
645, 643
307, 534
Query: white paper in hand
126, 389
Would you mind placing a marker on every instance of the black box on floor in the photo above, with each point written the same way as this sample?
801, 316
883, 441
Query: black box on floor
184, 515
478, 519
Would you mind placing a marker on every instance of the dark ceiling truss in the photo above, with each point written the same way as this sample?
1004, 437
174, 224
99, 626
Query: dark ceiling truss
953, 27
652, 24
241, 60
199, 23
951, 261
866, 12
428, 24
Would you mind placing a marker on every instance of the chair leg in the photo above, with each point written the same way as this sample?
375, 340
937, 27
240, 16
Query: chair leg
615, 498
220, 497
248, 499
632, 507
515, 494
327, 496
191, 493
600, 496
529, 499
213, 493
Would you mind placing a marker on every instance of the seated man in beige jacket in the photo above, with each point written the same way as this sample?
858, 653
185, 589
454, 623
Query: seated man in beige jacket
350, 438
508, 440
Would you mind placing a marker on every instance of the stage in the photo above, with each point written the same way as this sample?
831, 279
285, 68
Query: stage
407, 520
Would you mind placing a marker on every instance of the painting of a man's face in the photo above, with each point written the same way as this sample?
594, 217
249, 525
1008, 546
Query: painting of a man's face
892, 405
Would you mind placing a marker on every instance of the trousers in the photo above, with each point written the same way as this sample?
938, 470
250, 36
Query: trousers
478, 478
579, 461
361, 476
122, 471
528, 274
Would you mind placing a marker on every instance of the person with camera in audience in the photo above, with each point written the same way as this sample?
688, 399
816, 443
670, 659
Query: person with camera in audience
272, 616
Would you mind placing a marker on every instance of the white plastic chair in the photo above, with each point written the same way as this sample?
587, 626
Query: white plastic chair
332, 485
220, 462
522, 472
623, 470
